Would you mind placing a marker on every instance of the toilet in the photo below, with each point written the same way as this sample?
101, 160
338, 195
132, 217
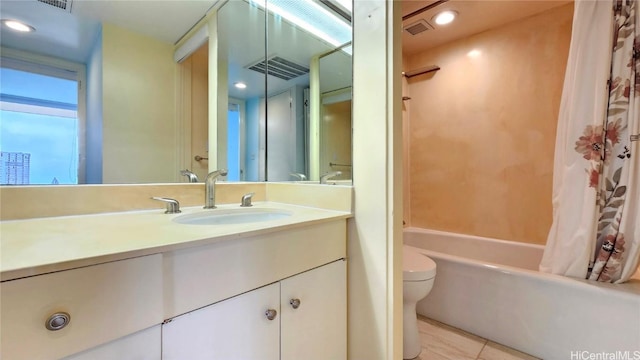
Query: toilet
418, 274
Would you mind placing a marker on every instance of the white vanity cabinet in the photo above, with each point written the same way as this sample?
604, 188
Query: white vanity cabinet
236, 328
301, 317
202, 275
215, 293
142, 345
317, 327
103, 302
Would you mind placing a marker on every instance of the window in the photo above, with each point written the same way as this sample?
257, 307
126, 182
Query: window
40, 128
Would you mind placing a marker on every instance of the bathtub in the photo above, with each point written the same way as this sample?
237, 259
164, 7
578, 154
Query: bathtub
492, 288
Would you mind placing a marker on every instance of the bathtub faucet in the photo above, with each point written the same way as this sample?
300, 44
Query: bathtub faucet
210, 188
192, 177
330, 174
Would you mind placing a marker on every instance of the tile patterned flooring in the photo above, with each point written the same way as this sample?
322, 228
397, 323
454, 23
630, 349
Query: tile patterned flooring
443, 342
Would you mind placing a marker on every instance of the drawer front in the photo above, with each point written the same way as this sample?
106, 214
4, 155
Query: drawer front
228, 268
104, 302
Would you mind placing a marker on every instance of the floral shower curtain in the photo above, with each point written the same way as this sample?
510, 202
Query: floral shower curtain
596, 191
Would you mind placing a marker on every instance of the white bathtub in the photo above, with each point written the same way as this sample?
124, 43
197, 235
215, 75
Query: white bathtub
492, 288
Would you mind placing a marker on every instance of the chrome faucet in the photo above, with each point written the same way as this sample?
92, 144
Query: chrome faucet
330, 174
173, 206
300, 176
210, 188
192, 177
246, 200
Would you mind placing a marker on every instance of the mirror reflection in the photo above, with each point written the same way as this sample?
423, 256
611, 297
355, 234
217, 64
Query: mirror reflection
335, 114
130, 123
120, 56
272, 122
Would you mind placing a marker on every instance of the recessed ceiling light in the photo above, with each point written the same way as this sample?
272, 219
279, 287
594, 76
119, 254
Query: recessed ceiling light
445, 17
18, 26
240, 85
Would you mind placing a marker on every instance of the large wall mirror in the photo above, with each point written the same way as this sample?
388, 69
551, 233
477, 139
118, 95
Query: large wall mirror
290, 122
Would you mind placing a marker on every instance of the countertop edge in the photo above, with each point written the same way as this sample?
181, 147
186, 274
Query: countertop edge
20, 273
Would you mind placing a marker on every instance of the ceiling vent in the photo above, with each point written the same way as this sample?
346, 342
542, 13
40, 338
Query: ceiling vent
279, 67
418, 27
64, 5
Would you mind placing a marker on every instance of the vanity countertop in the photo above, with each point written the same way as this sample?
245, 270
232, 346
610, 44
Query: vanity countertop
37, 246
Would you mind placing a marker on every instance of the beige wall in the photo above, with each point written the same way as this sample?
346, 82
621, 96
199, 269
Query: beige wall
335, 139
482, 129
28, 202
200, 110
139, 119
406, 180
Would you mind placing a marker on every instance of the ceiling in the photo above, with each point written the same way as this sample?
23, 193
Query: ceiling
70, 35
474, 16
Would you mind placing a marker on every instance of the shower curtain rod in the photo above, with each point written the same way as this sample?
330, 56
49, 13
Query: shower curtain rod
420, 71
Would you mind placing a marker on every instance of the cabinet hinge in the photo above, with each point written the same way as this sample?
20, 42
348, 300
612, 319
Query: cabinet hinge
167, 321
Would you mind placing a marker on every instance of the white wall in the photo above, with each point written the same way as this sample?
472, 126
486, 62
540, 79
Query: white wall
252, 154
94, 114
298, 147
375, 237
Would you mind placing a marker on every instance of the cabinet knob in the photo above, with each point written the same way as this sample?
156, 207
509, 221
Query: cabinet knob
271, 314
57, 321
295, 303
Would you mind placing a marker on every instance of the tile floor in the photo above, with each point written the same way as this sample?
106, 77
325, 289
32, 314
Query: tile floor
443, 342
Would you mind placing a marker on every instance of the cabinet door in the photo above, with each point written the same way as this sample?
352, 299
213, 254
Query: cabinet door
105, 302
143, 345
317, 328
233, 329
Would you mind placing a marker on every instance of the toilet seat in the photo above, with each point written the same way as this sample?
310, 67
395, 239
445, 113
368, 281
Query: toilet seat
416, 266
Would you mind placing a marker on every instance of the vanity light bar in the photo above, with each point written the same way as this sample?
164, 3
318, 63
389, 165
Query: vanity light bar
312, 17
338, 8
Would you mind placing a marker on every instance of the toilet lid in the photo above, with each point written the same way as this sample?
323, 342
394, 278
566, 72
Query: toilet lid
416, 266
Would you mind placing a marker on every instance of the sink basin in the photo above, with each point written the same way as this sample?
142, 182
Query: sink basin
231, 216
